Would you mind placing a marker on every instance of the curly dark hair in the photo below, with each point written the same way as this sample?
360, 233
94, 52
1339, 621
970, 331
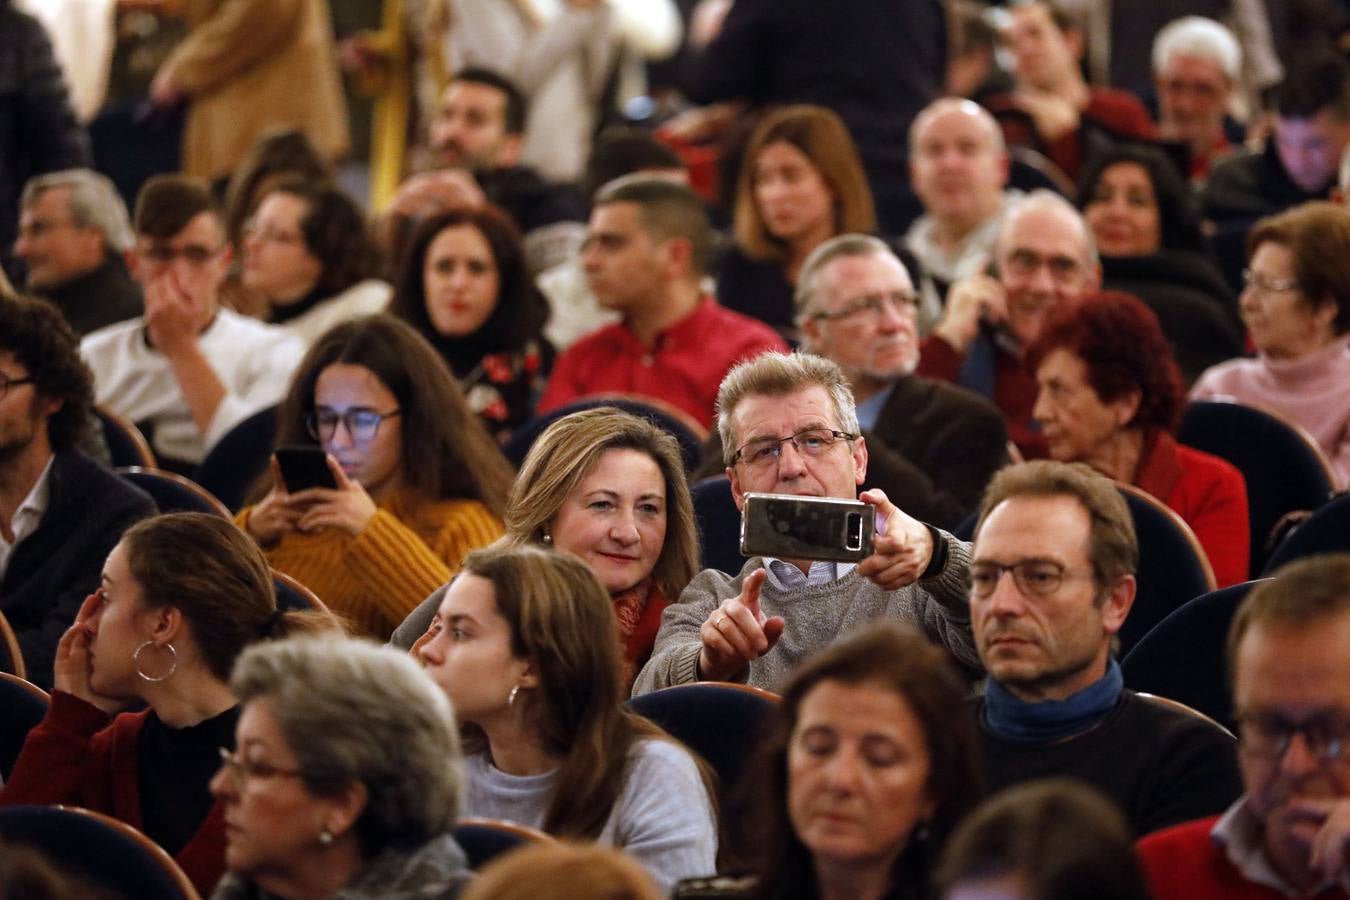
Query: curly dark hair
1119, 340
521, 309
336, 234
35, 333
1178, 213
285, 152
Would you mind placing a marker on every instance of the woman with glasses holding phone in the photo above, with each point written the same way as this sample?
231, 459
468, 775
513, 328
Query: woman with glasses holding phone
1297, 310
181, 596
417, 482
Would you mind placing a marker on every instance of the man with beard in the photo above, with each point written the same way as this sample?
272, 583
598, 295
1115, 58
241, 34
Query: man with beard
1289, 833
60, 512
480, 128
1051, 582
1044, 257
933, 447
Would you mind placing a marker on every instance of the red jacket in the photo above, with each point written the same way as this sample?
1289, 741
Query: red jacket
76, 757
1182, 863
1208, 493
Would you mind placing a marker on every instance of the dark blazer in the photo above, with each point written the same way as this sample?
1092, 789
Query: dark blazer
934, 448
52, 570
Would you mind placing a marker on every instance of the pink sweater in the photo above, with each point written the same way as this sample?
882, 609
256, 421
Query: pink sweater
1313, 391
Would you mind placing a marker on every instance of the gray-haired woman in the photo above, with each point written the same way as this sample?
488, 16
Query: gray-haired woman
346, 780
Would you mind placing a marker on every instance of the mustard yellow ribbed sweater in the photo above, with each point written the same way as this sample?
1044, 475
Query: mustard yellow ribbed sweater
375, 578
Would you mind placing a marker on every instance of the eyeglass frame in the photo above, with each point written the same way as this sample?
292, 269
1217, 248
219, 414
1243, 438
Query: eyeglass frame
836, 436
272, 235
1024, 263
35, 229
166, 255
6, 383
1324, 748
904, 303
1266, 286
1020, 577
240, 770
345, 418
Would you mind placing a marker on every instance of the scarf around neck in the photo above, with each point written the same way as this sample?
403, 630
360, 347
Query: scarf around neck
1051, 720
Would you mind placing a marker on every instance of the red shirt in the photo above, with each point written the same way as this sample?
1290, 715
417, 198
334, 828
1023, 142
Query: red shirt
1014, 391
684, 366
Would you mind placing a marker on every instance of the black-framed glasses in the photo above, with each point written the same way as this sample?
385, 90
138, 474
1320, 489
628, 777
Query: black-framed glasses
1267, 736
6, 383
195, 254
1037, 577
361, 424
1266, 285
810, 442
240, 769
903, 302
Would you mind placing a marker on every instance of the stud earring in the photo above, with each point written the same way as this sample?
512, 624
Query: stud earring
511, 697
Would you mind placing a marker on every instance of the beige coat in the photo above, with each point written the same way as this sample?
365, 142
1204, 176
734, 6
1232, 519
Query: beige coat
251, 65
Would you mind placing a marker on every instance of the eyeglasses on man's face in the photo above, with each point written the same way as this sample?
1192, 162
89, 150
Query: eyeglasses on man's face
810, 443
1267, 736
1035, 577
903, 303
361, 424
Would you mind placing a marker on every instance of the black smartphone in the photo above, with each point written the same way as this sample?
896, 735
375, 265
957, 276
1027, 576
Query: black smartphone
304, 467
785, 526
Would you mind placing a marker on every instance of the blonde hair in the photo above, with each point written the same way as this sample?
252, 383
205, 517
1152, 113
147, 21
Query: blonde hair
775, 374
821, 136
564, 871
566, 453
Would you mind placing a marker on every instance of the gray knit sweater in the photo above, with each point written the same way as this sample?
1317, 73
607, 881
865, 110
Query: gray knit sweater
815, 616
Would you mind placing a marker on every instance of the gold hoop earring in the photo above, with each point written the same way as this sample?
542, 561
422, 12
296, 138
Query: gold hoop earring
136, 661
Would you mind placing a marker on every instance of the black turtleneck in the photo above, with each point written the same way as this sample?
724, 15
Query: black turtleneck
174, 769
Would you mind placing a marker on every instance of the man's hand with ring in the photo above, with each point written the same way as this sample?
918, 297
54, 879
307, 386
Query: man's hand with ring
737, 632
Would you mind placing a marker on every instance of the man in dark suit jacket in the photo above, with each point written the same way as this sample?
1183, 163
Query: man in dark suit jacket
933, 446
60, 512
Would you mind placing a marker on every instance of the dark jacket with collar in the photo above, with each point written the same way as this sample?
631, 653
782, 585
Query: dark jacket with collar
104, 296
51, 571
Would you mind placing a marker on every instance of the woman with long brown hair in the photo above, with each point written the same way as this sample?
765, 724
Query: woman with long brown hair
801, 183
528, 653
419, 483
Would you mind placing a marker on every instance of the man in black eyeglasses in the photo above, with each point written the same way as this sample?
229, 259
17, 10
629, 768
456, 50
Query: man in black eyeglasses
932, 446
60, 512
1289, 833
188, 370
1051, 582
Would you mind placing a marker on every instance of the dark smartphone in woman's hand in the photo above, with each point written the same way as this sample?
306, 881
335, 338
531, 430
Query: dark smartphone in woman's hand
304, 467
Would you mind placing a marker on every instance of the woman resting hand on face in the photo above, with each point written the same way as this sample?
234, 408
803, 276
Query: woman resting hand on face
419, 483
609, 488
528, 653
345, 780
1110, 395
464, 286
182, 596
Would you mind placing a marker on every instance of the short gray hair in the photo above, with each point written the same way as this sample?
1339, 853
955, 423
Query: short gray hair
1198, 36
775, 374
1046, 199
353, 711
94, 203
808, 281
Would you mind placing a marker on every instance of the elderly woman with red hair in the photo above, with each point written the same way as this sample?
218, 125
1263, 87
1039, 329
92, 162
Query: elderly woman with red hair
1110, 393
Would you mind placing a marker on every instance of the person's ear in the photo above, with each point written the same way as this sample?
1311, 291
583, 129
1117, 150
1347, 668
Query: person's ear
1126, 406
677, 255
1117, 604
529, 674
512, 147
859, 451
1073, 39
737, 494
168, 624
345, 808
132, 259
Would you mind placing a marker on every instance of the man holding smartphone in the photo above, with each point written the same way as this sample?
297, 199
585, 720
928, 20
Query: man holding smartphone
789, 426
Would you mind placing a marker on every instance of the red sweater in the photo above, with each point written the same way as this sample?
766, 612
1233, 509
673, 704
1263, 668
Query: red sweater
76, 757
684, 366
1182, 863
1208, 493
